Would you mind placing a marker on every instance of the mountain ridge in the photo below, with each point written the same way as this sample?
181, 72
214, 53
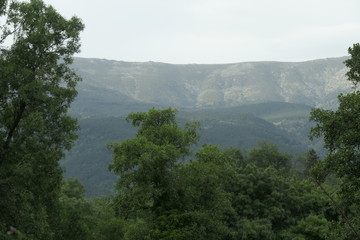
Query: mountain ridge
315, 83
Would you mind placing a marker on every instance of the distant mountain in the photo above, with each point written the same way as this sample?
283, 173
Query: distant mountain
238, 105
314, 83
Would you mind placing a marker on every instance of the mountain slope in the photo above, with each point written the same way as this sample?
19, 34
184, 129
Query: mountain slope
314, 83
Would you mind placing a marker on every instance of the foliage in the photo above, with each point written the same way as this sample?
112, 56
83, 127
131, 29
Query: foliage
312, 227
353, 64
202, 206
163, 191
230, 127
72, 188
80, 218
146, 162
220, 194
74, 207
37, 86
269, 204
268, 155
341, 133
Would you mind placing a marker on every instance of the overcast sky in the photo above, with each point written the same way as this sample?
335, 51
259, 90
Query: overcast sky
215, 31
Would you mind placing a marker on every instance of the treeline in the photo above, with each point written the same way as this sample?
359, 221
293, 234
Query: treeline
162, 193
219, 194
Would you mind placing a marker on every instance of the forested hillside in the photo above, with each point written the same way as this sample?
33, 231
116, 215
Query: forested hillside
287, 125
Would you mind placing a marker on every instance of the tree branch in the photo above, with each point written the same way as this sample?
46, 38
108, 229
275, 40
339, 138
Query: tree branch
338, 209
12, 131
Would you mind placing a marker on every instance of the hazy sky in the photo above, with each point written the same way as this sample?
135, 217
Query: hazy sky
215, 31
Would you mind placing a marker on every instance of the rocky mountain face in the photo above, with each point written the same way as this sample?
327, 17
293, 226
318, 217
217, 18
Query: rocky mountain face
315, 83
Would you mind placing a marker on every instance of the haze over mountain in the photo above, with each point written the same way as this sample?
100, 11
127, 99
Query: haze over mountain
238, 105
314, 83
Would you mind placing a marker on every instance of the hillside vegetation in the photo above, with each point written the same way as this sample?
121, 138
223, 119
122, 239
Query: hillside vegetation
284, 124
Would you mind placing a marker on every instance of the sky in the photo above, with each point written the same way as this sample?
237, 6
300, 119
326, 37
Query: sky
214, 31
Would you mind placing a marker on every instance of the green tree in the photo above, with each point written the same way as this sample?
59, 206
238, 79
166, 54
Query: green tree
72, 188
353, 63
202, 207
269, 204
268, 155
104, 225
340, 130
37, 86
146, 163
74, 210
220, 196
312, 227
80, 218
216, 195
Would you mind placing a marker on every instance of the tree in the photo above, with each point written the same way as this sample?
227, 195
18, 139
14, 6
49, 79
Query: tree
268, 155
201, 206
216, 195
340, 130
146, 164
105, 225
72, 188
220, 196
353, 63
270, 204
37, 86
81, 218
73, 212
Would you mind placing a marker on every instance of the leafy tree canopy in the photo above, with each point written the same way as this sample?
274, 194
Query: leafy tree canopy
340, 130
268, 155
145, 163
37, 86
214, 194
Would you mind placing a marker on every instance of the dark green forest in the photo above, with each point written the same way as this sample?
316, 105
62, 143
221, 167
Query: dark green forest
241, 127
171, 183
